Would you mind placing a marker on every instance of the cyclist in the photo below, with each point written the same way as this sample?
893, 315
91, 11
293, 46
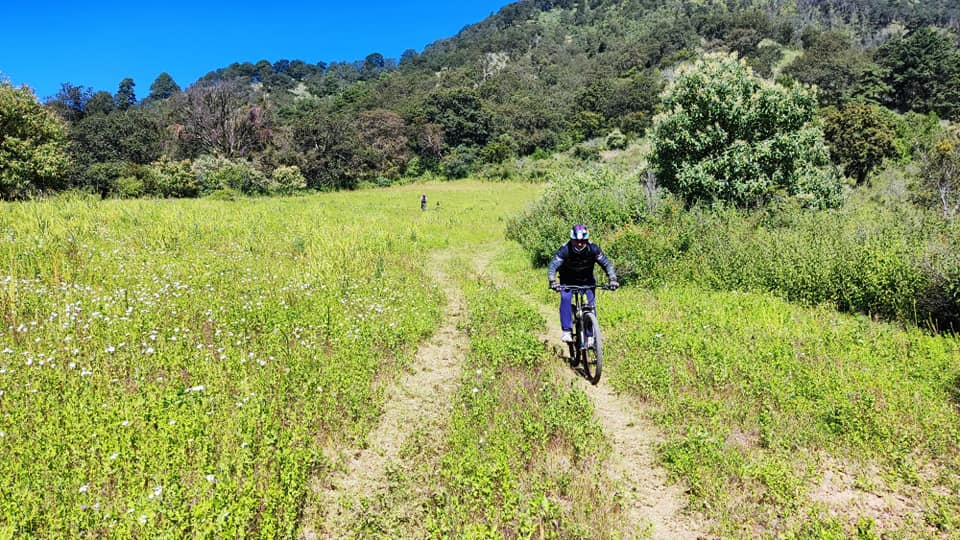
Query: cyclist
575, 261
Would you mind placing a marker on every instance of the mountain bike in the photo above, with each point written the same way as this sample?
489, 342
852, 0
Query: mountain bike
586, 349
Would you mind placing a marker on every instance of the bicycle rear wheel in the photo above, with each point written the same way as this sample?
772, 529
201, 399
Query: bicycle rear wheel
593, 355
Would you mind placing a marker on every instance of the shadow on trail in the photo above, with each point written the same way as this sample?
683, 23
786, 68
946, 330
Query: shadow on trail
563, 353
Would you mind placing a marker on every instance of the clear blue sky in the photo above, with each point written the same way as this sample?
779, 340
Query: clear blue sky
97, 44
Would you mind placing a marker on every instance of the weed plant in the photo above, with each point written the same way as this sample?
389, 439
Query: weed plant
178, 368
760, 398
524, 451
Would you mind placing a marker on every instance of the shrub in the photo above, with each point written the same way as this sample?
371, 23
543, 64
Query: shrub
213, 173
168, 178
459, 163
286, 180
861, 136
727, 135
615, 140
595, 196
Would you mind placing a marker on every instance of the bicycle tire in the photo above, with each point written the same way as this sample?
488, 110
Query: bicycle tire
593, 356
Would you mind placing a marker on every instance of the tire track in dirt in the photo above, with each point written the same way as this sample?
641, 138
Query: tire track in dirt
376, 490
652, 507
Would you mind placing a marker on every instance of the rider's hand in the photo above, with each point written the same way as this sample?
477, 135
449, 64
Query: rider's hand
614, 284
555, 285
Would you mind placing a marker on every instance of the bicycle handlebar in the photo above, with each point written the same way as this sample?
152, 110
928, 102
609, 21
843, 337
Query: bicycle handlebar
574, 288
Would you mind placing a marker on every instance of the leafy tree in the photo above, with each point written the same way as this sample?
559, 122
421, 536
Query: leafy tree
100, 103
132, 135
32, 144
861, 135
923, 69
464, 118
727, 135
832, 64
163, 87
125, 97
71, 101
939, 177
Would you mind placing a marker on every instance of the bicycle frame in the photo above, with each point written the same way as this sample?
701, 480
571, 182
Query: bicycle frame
590, 358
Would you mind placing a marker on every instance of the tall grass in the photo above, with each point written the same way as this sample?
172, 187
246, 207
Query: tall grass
759, 398
176, 368
524, 451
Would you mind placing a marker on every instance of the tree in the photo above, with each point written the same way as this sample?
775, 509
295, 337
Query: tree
32, 144
728, 135
162, 88
100, 103
834, 66
861, 135
923, 68
71, 101
125, 97
463, 116
223, 118
939, 178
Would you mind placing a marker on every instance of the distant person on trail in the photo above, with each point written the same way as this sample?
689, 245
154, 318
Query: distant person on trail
574, 260
423, 202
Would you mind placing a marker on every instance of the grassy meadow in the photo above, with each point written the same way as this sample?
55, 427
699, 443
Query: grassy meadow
175, 369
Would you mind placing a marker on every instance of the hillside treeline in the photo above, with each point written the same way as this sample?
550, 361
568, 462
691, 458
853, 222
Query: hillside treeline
536, 78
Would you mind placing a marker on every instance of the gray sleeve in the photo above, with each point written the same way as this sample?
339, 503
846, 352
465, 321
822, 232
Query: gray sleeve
554, 265
607, 266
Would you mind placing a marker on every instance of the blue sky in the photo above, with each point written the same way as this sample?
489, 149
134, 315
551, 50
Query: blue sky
97, 44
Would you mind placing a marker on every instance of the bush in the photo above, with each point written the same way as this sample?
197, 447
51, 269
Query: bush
595, 196
171, 179
729, 136
891, 263
129, 187
615, 140
213, 173
286, 180
459, 163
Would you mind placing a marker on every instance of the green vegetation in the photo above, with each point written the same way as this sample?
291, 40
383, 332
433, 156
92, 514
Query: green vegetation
524, 453
174, 368
535, 77
727, 136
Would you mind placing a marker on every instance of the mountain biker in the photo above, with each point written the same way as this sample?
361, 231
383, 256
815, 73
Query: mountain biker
574, 260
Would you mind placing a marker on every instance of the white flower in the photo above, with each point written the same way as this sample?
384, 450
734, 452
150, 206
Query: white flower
475, 389
211, 478
173, 422
114, 456
149, 350
110, 349
198, 388
84, 488
125, 423
143, 519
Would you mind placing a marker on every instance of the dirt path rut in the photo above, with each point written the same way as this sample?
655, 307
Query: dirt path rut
376, 493
652, 508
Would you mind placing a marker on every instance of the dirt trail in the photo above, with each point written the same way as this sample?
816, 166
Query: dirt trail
652, 508
377, 491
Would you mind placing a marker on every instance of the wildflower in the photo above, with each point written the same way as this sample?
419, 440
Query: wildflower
84, 488
114, 456
110, 349
198, 388
211, 478
143, 519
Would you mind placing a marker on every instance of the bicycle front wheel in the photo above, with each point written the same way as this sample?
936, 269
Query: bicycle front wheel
593, 357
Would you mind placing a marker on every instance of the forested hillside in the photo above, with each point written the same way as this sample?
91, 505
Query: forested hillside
536, 78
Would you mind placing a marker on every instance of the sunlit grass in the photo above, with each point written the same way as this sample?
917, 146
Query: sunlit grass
176, 367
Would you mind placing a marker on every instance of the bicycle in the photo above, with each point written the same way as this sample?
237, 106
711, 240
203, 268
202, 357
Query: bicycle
585, 351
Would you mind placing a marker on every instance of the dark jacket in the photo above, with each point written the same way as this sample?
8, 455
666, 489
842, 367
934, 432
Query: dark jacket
577, 268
